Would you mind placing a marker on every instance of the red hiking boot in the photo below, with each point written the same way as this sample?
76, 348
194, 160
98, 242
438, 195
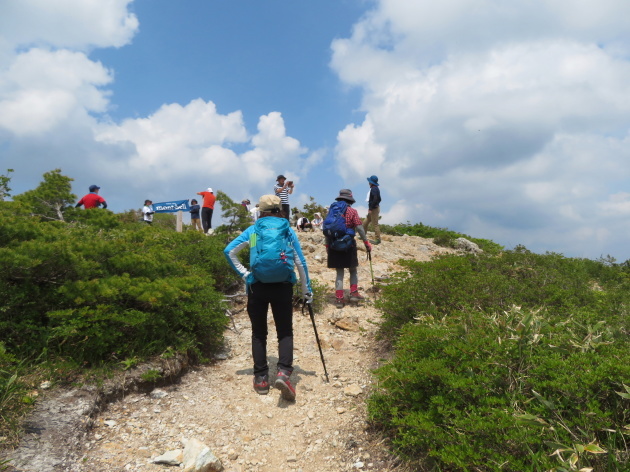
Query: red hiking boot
261, 384
284, 385
356, 297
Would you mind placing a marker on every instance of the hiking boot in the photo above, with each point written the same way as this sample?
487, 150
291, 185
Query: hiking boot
261, 384
356, 297
376, 241
284, 385
339, 303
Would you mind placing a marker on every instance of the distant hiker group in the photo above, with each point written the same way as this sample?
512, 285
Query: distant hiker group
274, 254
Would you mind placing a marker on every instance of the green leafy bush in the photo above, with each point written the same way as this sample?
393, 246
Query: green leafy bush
92, 294
494, 283
515, 362
441, 236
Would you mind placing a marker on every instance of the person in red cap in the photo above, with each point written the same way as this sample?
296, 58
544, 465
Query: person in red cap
92, 199
206, 210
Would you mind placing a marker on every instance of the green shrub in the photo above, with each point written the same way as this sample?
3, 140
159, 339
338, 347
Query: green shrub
475, 391
12, 394
319, 294
478, 383
92, 294
441, 236
495, 283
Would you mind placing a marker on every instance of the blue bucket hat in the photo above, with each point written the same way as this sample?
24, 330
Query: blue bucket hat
373, 180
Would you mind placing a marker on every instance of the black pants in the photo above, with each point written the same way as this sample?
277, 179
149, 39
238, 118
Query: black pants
280, 297
206, 218
286, 208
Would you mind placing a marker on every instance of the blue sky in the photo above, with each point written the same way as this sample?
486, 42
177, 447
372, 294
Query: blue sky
503, 121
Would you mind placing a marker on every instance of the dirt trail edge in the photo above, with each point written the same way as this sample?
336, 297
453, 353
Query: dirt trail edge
325, 429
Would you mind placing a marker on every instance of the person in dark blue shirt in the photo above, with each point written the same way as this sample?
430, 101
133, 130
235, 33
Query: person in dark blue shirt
194, 215
374, 208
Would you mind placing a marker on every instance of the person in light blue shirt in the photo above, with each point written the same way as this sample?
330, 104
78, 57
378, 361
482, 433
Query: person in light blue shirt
271, 231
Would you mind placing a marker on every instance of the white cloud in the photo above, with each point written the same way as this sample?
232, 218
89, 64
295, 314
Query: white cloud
177, 141
46, 78
44, 89
509, 119
357, 151
75, 24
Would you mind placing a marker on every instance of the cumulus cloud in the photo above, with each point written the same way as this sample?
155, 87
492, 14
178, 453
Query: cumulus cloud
43, 89
73, 24
179, 140
46, 77
507, 121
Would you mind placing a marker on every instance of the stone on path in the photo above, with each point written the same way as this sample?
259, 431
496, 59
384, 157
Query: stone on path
353, 390
199, 458
174, 457
347, 324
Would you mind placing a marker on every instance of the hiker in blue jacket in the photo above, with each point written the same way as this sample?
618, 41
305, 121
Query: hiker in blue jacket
274, 251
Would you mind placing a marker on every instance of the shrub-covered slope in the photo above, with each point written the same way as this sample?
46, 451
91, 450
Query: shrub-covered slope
511, 362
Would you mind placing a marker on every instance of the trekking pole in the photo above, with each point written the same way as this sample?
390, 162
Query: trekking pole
369, 256
321, 354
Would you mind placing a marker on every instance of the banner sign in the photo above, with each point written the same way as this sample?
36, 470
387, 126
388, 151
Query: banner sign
170, 207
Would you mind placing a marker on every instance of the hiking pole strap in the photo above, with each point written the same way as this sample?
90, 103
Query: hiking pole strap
319, 345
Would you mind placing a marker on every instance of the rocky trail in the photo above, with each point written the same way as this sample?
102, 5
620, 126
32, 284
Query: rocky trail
325, 429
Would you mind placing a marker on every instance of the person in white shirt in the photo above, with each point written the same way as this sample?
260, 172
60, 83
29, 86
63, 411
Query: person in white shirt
255, 212
317, 222
147, 212
303, 224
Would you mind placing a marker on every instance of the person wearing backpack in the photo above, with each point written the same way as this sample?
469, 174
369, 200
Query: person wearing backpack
274, 252
339, 227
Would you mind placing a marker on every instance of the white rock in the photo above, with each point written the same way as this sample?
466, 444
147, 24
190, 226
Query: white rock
353, 390
157, 393
199, 458
174, 457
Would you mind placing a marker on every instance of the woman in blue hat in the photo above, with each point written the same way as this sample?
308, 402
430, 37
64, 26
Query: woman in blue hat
374, 201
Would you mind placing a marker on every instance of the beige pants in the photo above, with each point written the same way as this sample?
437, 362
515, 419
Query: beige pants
372, 217
196, 224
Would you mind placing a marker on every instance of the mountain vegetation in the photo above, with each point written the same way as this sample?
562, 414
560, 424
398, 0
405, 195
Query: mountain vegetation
507, 360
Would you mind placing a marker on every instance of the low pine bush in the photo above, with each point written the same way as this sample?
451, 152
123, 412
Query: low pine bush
92, 292
441, 236
519, 362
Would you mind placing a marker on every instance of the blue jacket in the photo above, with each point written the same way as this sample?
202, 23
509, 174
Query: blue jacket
194, 211
375, 198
